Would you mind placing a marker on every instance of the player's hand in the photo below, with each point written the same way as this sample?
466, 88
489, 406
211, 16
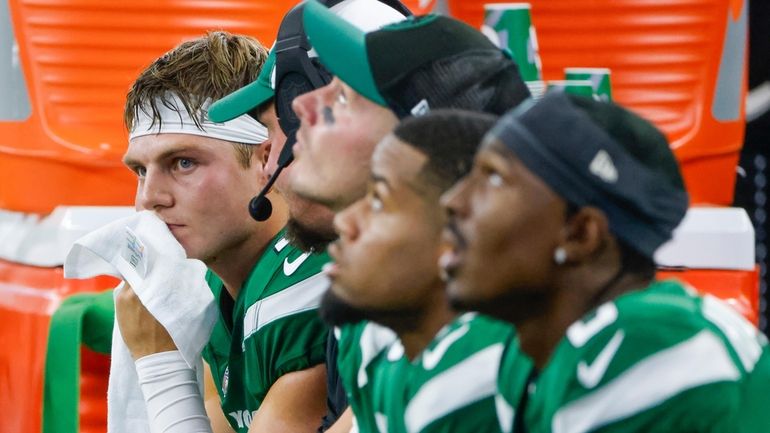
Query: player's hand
142, 333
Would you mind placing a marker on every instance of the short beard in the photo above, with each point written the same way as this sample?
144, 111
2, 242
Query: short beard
307, 239
510, 307
337, 312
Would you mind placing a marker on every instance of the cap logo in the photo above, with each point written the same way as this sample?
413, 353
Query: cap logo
422, 108
603, 167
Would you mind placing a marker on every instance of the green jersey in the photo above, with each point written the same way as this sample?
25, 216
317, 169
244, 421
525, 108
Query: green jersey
272, 328
663, 359
449, 387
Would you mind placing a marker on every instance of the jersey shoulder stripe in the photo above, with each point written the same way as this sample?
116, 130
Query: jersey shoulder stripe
469, 381
295, 299
744, 338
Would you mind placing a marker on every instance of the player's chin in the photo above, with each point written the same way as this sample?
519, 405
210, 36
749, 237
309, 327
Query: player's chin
307, 187
460, 296
465, 293
196, 251
335, 311
301, 180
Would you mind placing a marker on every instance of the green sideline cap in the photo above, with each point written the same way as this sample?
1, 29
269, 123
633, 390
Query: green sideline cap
416, 64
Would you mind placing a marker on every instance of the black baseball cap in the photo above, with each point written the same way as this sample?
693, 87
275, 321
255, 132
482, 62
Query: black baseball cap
425, 62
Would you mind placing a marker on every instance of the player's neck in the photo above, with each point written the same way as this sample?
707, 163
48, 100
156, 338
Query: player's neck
234, 265
540, 334
432, 320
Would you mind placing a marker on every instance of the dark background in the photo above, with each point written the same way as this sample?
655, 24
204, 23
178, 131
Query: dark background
751, 188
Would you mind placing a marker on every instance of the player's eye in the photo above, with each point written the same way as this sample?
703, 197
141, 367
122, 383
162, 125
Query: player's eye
184, 163
495, 179
490, 175
140, 171
375, 203
342, 99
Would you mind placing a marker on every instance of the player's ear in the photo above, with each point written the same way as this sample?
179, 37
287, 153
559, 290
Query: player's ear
586, 234
263, 151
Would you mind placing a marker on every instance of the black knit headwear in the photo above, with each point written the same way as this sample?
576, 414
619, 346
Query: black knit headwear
599, 154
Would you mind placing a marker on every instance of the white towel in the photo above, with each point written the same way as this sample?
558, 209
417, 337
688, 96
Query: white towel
142, 251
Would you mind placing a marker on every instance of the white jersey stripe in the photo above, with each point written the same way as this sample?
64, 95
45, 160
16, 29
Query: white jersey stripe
467, 382
700, 360
374, 339
741, 334
505, 414
294, 299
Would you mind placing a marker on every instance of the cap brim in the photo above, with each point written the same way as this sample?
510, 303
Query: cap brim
240, 102
341, 48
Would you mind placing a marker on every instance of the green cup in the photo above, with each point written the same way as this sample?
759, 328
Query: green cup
509, 26
599, 78
575, 87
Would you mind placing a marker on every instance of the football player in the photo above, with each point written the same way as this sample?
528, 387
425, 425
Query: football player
293, 71
408, 362
554, 231
266, 351
342, 121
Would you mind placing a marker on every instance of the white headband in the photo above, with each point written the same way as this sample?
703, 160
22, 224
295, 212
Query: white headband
243, 129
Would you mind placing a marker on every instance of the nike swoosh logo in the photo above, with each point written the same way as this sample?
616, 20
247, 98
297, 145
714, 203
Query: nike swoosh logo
431, 358
291, 267
590, 375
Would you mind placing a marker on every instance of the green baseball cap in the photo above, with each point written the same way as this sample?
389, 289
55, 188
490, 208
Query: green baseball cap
416, 64
329, 32
247, 97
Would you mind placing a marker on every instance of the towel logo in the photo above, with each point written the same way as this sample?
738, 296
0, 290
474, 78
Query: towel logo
133, 252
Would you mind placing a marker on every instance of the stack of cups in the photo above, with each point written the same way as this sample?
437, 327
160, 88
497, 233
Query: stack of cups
509, 26
575, 87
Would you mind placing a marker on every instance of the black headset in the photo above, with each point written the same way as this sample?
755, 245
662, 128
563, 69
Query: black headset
295, 73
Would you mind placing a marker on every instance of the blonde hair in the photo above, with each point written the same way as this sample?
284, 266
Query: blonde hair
206, 68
